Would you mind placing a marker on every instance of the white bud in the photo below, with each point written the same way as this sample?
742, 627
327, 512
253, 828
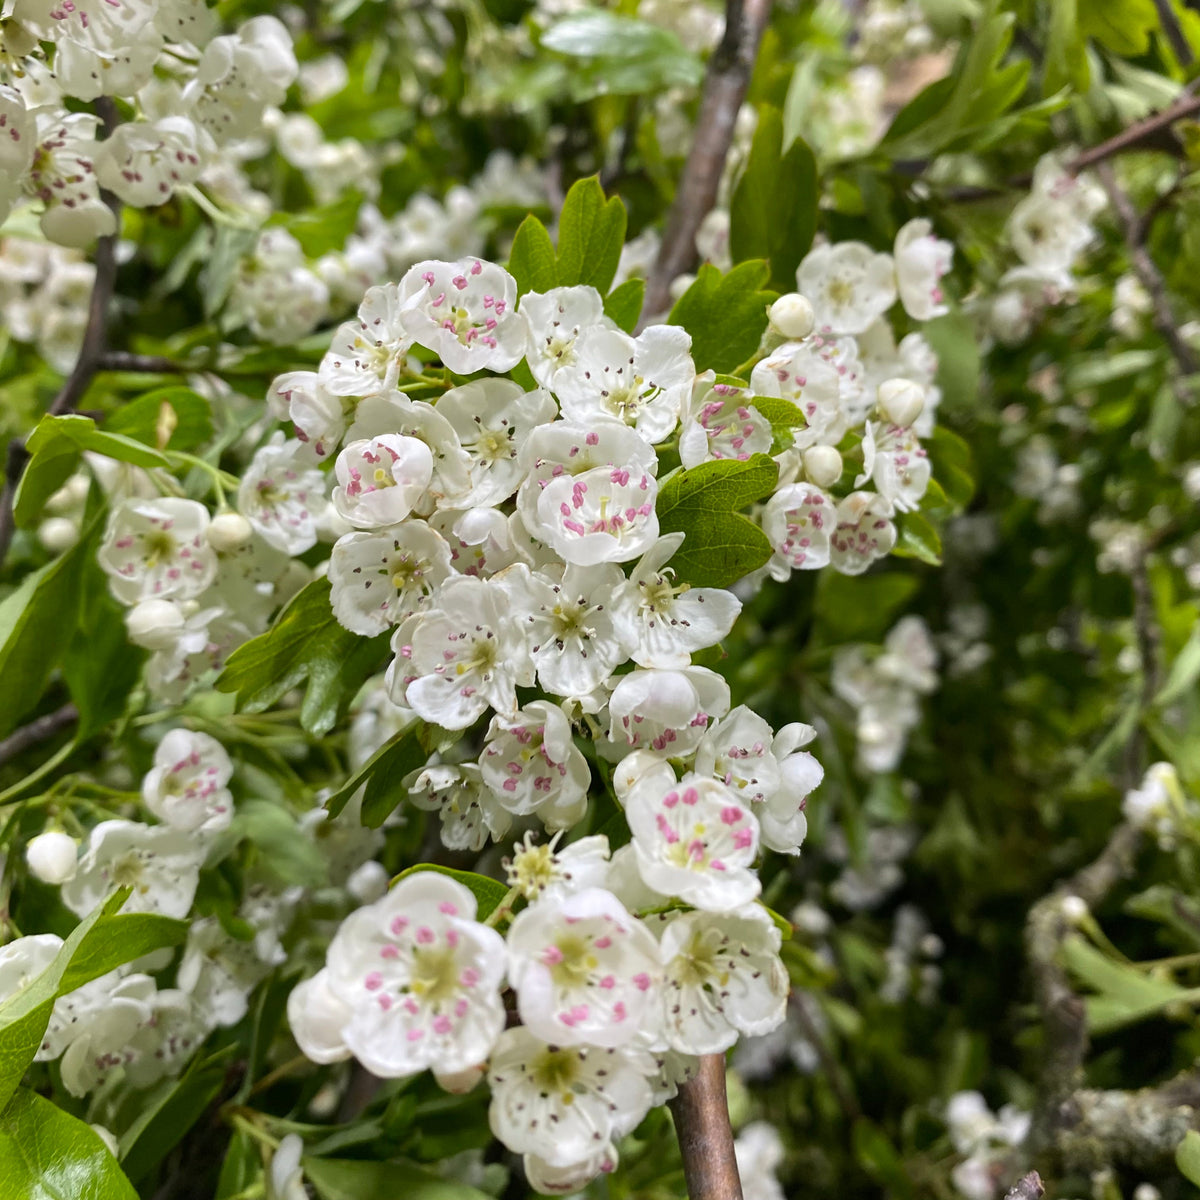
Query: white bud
72, 495
822, 465
368, 883
1074, 909
52, 856
58, 534
792, 316
228, 531
900, 401
459, 1082
108, 1138
154, 624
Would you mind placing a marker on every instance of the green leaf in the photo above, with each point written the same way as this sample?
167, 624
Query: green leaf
100, 942
382, 773
532, 261
1066, 62
785, 417
283, 848
1185, 670
321, 230
54, 448
242, 1167
47, 1154
917, 538
773, 214
172, 416
488, 892
351, 1179
1187, 1157
862, 607
720, 545
624, 304
166, 1117
953, 466
725, 314
953, 340
36, 624
1122, 26
591, 232
305, 643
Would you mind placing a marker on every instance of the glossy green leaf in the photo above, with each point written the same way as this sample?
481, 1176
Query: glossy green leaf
172, 417
306, 644
47, 1154
725, 314
351, 1179
532, 261
382, 774
721, 545
624, 304
917, 538
1187, 1157
1122, 26
591, 232
242, 1167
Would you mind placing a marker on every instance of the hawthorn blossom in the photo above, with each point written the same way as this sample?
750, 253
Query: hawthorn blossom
899, 465
465, 312
584, 970
381, 480
159, 549
665, 710
531, 762
695, 840
720, 421
282, 494
379, 578
864, 532
24, 959
460, 655
662, 623
781, 817
799, 520
418, 979
367, 354
18, 141
722, 976
566, 1105
186, 786
52, 857
921, 261
470, 812
318, 416
641, 381
802, 373
848, 285
144, 162
545, 872
555, 320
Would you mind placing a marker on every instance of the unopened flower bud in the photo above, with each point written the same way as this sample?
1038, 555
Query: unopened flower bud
72, 495
108, 1138
822, 465
368, 883
52, 857
900, 401
1074, 909
459, 1082
228, 531
792, 316
58, 534
154, 624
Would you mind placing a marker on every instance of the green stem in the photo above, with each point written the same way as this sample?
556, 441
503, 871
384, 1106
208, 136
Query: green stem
56, 760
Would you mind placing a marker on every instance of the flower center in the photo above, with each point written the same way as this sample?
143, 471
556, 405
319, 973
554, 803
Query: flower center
434, 973
577, 961
555, 1070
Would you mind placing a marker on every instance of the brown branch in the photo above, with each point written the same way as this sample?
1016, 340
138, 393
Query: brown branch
1174, 32
705, 1135
150, 364
1028, 1187
90, 352
1149, 130
725, 85
38, 730
1149, 275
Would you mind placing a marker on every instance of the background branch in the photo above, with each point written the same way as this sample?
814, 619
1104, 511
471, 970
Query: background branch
725, 84
39, 730
705, 1135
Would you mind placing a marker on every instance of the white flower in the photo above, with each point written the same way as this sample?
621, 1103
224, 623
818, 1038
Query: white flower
848, 285
287, 1176
546, 872
901, 469
722, 976
568, 625
18, 140
641, 381
802, 373
466, 313
381, 480
792, 316
317, 1017
52, 857
318, 416
864, 532
900, 401
531, 762
1047, 233
282, 494
781, 816
462, 654
186, 786
61, 176
93, 1028
161, 864
366, 355
737, 751
921, 261
569, 1180
584, 970
799, 521
219, 972
720, 421
665, 710
759, 1153
565, 1105
380, 578
23, 960
493, 418
420, 979
556, 319
695, 840
159, 549
470, 812
143, 162
662, 623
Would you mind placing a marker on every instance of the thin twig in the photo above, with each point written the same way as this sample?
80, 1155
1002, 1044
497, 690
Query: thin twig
150, 364
1149, 274
39, 730
1028, 1187
705, 1135
725, 85
1174, 32
1138, 134
90, 352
